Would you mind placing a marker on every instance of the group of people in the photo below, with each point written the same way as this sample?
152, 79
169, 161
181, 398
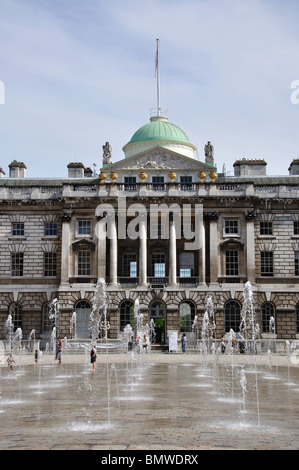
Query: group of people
138, 343
93, 352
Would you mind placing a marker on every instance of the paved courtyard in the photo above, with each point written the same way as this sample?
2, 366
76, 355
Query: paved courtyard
155, 401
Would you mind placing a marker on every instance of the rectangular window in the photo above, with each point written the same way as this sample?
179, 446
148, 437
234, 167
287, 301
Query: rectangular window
266, 228
186, 264
129, 267
232, 263
18, 229
50, 264
84, 258
267, 263
17, 264
84, 227
130, 183
50, 229
158, 183
296, 263
296, 227
186, 183
231, 227
158, 264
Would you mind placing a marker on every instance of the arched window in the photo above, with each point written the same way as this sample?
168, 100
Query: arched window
187, 314
126, 311
16, 312
47, 323
268, 311
82, 310
232, 316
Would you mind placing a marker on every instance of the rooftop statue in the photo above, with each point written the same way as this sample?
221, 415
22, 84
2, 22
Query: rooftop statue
107, 153
209, 153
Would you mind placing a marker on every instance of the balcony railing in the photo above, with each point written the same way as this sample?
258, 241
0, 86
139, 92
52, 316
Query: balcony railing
83, 280
128, 281
158, 281
187, 281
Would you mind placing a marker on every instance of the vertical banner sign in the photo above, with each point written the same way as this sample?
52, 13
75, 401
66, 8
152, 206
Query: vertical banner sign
173, 340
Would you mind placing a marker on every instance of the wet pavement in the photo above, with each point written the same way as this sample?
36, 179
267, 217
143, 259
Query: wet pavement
150, 402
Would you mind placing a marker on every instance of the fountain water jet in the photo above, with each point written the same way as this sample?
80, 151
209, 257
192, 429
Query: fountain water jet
247, 328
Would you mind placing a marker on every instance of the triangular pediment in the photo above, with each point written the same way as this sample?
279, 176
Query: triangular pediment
158, 159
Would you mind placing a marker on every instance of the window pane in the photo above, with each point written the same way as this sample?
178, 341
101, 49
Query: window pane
232, 263
17, 261
126, 314
159, 269
232, 316
50, 229
84, 227
231, 227
15, 311
18, 229
268, 311
266, 228
187, 314
129, 267
50, 264
158, 265
266, 263
84, 263
186, 264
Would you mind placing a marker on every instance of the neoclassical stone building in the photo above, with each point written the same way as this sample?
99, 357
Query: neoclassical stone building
158, 225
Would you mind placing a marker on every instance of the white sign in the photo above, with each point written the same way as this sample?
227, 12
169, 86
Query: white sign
173, 340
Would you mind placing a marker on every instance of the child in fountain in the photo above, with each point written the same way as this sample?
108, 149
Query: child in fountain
93, 358
10, 361
145, 343
36, 355
59, 350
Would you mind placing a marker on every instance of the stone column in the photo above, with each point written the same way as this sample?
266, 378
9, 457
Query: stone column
113, 250
143, 250
101, 252
214, 268
172, 252
250, 246
200, 234
66, 216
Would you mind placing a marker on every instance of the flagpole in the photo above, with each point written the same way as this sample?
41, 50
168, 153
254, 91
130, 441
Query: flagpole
158, 78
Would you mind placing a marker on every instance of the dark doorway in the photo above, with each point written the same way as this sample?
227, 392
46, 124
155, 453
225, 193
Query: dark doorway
158, 313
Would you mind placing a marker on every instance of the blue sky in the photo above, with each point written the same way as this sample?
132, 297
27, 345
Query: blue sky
78, 74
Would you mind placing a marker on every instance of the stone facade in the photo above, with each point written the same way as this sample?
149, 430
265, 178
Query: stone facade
246, 228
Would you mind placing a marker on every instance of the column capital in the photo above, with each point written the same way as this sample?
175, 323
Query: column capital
250, 216
66, 215
211, 215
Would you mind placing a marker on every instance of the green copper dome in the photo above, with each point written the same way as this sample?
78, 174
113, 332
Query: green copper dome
159, 132
159, 129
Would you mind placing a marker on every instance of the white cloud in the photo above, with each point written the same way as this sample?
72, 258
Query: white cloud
77, 74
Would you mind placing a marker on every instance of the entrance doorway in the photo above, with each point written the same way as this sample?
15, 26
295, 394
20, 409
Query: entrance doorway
82, 309
158, 314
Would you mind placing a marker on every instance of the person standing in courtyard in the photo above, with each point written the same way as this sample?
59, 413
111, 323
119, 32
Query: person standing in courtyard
93, 357
10, 361
144, 343
184, 340
36, 356
59, 351
222, 344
